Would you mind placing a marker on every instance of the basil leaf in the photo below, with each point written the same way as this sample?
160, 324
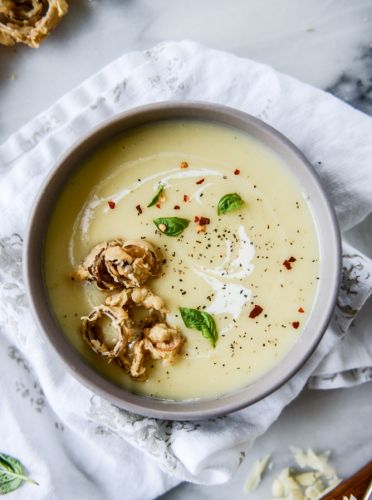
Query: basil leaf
157, 196
229, 202
201, 321
171, 226
12, 474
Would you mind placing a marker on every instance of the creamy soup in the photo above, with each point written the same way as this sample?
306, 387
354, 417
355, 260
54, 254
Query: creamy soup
253, 269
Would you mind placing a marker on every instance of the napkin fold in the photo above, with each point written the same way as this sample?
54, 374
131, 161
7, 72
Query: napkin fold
75, 443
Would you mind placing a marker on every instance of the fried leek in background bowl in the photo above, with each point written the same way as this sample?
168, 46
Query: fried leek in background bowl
29, 21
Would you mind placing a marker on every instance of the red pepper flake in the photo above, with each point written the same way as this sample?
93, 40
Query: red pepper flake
301, 310
200, 181
204, 221
295, 324
236, 171
111, 204
139, 209
186, 198
256, 311
158, 205
184, 164
200, 228
287, 263
177, 207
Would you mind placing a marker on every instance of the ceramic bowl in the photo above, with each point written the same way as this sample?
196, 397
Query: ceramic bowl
329, 243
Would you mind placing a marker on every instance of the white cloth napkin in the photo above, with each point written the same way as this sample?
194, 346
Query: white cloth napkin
75, 443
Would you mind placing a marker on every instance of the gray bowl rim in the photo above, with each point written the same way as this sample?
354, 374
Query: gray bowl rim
33, 248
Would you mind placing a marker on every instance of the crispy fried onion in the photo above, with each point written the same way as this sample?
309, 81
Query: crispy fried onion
29, 21
137, 343
143, 297
161, 341
166, 341
116, 264
137, 298
93, 332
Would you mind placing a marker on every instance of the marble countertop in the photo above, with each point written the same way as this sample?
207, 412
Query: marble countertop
335, 420
325, 43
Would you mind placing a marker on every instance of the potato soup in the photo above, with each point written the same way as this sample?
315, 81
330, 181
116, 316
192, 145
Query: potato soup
228, 244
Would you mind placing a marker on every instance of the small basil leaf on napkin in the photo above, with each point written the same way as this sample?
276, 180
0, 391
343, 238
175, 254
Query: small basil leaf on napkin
229, 202
12, 474
157, 196
171, 226
201, 321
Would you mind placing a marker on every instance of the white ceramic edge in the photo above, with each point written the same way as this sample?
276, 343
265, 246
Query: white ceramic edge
204, 408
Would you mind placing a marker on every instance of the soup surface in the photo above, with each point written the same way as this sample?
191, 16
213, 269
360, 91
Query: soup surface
253, 269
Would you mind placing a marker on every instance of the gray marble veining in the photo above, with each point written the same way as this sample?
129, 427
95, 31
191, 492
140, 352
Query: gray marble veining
354, 85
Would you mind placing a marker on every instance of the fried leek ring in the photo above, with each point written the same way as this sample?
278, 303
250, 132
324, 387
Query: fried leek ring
116, 264
94, 336
29, 21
